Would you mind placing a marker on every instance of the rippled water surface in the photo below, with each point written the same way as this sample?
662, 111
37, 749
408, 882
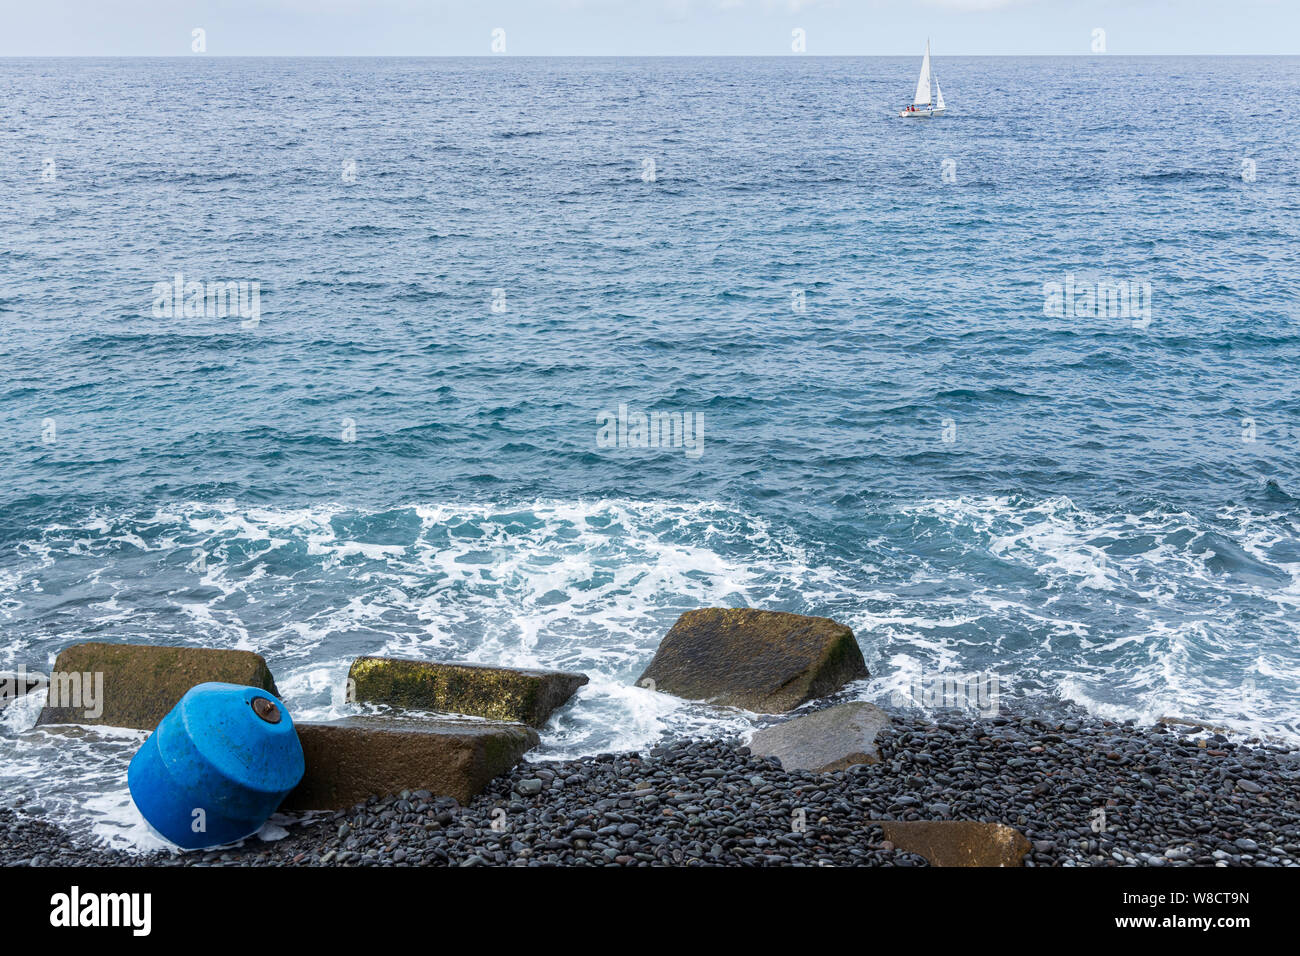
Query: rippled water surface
1092, 507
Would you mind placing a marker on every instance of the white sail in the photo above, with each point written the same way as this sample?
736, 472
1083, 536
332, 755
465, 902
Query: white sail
938, 95
922, 97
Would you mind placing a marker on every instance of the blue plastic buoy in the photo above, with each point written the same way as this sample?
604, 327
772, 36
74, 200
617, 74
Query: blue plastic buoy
216, 767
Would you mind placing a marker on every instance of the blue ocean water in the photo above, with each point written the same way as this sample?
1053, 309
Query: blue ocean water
459, 266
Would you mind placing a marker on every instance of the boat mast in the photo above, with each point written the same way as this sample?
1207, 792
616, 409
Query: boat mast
927, 60
924, 95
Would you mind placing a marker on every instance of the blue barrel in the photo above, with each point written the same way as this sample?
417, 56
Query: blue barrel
217, 765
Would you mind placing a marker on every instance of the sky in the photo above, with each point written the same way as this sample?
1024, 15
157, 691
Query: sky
644, 27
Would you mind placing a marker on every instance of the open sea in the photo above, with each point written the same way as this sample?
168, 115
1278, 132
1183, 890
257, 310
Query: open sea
403, 436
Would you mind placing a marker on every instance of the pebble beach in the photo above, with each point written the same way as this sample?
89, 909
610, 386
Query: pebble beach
1084, 791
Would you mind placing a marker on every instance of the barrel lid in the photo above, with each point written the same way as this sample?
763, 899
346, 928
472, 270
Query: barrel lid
245, 733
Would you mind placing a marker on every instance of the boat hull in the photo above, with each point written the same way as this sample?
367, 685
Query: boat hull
921, 114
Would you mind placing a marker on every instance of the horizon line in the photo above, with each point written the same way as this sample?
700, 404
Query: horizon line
592, 56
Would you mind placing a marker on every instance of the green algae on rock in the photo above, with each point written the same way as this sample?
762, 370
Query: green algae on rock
765, 661
498, 693
135, 685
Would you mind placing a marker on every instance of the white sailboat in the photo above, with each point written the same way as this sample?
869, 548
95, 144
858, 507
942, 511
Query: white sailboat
924, 106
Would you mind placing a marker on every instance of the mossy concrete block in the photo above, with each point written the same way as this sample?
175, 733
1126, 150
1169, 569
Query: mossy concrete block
825, 741
765, 661
353, 759
958, 842
135, 685
498, 693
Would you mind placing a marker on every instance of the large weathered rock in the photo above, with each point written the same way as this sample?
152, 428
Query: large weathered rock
958, 842
498, 693
764, 661
352, 759
1194, 725
15, 684
1188, 727
135, 685
827, 740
